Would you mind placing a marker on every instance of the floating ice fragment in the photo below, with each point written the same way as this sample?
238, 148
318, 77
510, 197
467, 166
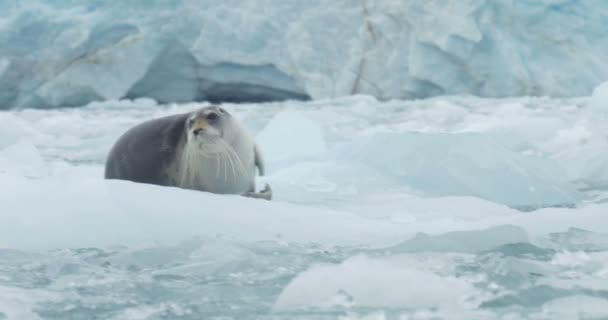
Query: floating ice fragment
290, 134
141, 215
21, 158
472, 241
18, 303
580, 239
372, 283
4, 63
12, 129
575, 307
467, 164
599, 99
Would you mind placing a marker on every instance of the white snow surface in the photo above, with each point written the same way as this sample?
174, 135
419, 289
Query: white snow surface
453, 207
382, 172
64, 52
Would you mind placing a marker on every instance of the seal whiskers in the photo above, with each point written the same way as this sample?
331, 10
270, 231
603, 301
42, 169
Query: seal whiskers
235, 159
226, 155
225, 163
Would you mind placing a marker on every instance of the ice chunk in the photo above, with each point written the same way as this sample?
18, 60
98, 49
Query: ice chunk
576, 239
598, 103
581, 143
18, 303
366, 282
574, 307
464, 241
466, 164
291, 135
3, 65
22, 159
12, 129
326, 182
138, 214
18, 155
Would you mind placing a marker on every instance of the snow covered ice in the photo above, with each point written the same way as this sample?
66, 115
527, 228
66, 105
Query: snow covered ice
451, 207
68, 53
436, 159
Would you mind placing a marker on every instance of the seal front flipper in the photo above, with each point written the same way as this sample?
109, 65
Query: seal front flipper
265, 194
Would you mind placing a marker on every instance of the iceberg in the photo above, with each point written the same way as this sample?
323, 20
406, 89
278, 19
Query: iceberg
68, 53
466, 164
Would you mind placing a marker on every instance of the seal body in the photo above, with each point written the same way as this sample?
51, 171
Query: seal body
206, 150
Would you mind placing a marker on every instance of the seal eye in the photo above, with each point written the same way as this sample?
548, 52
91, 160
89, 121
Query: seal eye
212, 117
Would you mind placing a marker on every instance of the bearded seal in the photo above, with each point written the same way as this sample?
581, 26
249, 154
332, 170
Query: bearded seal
206, 150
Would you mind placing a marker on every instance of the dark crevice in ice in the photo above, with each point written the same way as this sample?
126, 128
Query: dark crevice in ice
177, 76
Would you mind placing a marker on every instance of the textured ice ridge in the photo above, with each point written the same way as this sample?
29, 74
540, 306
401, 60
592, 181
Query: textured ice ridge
68, 53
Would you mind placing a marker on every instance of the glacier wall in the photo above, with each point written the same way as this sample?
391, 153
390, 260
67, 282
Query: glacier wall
68, 52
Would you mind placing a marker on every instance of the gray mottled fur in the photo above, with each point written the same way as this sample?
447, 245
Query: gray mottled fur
161, 152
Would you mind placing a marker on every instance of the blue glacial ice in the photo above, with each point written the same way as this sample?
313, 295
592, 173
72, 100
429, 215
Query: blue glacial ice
466, 164
68, 53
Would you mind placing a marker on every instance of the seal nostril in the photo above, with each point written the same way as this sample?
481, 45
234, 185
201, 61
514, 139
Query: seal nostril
197, 131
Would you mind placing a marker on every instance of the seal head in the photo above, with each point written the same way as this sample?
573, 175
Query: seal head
218, 156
